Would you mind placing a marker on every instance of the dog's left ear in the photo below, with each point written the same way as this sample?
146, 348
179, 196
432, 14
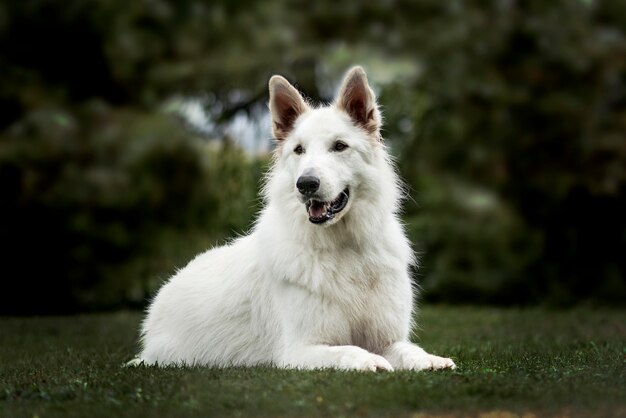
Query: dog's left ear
357, 99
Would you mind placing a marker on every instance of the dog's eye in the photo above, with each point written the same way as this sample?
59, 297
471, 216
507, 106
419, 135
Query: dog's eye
298, 150
340, 146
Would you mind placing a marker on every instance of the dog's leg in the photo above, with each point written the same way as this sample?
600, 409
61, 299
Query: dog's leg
408, 356
347, 357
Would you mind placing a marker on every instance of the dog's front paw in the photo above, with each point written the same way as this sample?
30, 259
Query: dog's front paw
427, 361
442, 363
354, 358
408, 356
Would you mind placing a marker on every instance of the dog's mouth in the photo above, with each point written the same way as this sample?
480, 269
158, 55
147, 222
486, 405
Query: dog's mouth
320, 212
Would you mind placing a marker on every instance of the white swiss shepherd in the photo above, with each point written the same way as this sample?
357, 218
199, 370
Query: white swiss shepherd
323, 278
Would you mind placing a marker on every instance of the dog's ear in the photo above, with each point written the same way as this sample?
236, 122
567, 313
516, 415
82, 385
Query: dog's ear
286, 104
357, 99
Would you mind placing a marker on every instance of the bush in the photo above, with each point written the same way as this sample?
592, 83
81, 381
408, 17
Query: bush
100, 205
531, 109
472, 247
522, 104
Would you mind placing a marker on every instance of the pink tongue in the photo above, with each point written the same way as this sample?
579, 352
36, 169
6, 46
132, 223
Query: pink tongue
316, 210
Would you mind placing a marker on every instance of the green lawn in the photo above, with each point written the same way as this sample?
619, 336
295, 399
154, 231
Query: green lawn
510, 362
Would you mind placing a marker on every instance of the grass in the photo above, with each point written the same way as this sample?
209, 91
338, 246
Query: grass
511, 362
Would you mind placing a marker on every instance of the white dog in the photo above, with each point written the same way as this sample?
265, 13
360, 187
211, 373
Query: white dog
323, 278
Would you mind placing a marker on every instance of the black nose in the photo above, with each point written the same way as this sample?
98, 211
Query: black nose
308, 184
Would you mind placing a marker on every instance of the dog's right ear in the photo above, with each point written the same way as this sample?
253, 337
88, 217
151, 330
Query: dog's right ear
286, 105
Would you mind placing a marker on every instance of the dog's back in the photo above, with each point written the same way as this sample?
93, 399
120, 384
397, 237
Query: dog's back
212, 312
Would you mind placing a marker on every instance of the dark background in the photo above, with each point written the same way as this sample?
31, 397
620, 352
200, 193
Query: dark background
507, 118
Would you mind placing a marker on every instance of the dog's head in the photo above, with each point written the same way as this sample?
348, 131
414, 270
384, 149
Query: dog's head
328, 152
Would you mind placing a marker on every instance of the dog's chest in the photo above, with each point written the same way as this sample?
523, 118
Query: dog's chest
363, 303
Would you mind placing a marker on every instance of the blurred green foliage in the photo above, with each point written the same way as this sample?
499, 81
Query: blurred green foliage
100, 205
507, 119
527, 101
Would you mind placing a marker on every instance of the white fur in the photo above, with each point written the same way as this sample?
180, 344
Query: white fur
293, 293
